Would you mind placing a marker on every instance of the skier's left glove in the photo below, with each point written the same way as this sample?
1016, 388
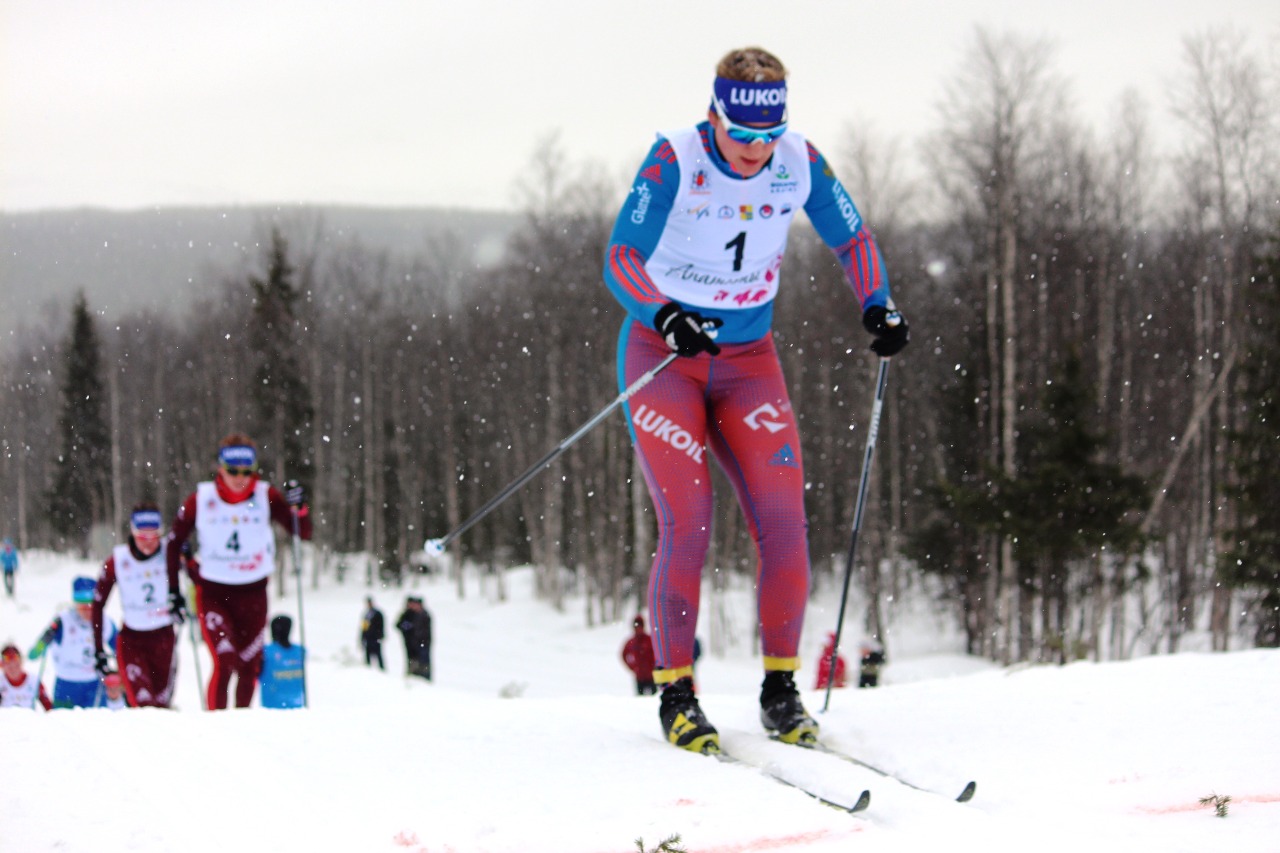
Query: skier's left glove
101, 663
294, 494
177, 608
889, 327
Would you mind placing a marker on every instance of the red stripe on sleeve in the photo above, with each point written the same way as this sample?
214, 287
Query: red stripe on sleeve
628, 268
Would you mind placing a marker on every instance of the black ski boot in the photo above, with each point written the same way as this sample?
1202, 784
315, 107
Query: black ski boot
781, 711
683, 721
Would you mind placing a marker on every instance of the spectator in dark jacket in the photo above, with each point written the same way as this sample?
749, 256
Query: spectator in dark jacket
414, 625
372, 630
872, 659
637, 654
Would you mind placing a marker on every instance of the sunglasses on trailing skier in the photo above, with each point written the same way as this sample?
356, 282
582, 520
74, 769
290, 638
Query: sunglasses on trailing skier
747, 135
238, 471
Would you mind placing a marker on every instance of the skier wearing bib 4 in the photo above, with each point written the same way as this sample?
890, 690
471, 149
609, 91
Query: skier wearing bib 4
146, 645
695, 258
231, 516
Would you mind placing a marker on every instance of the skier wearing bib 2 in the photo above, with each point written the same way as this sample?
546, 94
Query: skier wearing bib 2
146, 644
231, 516
694, 258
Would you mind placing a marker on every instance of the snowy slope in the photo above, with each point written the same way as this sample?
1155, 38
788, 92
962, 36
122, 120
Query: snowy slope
1080, 758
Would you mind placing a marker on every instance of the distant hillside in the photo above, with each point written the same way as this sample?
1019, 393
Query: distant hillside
126, 260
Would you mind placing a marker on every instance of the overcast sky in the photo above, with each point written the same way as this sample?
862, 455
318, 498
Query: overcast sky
135, 103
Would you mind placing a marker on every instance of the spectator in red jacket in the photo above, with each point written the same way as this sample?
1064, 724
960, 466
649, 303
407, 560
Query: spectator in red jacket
824, 666
637, 654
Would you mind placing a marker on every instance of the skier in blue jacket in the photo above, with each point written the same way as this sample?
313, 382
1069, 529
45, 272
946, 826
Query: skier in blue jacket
695, 258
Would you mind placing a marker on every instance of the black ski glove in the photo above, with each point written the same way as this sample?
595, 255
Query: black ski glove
294, 494
684, 330
889, 327
177, 608
101, 663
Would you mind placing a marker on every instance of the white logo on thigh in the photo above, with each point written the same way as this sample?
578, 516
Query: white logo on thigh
755, 419
647, 420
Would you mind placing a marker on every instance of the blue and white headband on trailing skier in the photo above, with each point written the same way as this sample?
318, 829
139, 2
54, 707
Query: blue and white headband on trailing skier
748, 102
238, 456
146, 519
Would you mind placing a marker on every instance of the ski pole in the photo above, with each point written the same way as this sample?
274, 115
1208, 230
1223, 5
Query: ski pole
39, 678
867, 455
435, 547
195, 655
297, 571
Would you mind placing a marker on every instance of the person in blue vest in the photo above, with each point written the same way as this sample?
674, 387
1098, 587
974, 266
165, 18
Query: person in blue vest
9, 561
696, 259
77, 682
283, 680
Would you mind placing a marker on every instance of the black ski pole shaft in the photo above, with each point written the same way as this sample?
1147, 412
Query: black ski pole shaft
867, 456
438, 545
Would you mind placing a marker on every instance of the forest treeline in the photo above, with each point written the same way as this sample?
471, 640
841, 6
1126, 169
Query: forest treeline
1079, 443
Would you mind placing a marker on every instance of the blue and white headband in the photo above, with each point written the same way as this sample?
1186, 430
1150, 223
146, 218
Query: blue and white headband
746, 102
238, 456
146, 519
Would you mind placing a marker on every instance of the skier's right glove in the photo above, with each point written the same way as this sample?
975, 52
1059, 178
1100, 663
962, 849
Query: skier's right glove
685, 331
37, 650
101, 663
177, 608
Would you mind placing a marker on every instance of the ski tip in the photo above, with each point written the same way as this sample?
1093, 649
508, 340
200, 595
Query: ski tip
967, 794
864, 800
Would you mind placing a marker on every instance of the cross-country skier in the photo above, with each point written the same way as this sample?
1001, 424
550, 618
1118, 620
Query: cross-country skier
77, 682
695, 259
115, 699
18, 689
231, 516
146, 647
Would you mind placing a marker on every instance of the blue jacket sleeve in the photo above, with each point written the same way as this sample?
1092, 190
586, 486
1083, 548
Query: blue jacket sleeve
839, 224
637, 230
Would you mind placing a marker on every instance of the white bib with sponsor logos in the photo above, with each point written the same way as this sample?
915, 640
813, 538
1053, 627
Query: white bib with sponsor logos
18, 695
724, 239
73, 658
144, 588
237, 544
